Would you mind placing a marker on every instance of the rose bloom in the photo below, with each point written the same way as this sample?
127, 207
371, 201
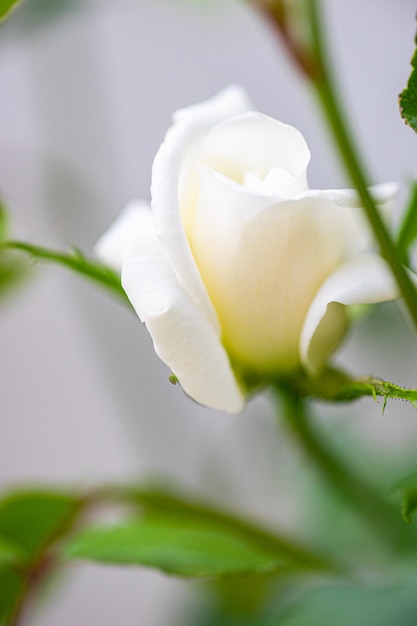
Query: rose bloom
240, 271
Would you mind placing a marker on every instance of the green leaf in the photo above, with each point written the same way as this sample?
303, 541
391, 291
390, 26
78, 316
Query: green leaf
77, 262
352, 605
407, 233
334, 385
187, 549
11, 555
10, 589
406, 490
408, 98
166, 502
32, 519
6, 6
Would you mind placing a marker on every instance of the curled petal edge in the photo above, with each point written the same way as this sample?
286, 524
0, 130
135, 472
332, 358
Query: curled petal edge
384, 194
364, 279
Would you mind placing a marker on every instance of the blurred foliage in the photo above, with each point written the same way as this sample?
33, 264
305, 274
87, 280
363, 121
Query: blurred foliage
408, 98
36, 14
180, 547
11, 554
6, 7
30, 519
12, 269
350, 605
165, 501
406, 490
29, 522
183, 536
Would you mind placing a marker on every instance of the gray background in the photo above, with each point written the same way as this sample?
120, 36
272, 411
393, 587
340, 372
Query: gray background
86, 97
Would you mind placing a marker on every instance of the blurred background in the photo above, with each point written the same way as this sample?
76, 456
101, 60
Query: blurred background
87, 91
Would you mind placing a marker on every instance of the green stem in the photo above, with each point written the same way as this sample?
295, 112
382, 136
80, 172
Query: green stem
76, 261
328, 97
362, 496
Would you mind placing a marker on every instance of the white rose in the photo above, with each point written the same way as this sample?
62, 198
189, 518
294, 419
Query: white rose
240, 270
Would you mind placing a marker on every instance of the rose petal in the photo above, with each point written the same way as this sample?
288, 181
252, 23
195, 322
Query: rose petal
258, 144
183, 338
189, 126
364, 279
263, 264
111, 246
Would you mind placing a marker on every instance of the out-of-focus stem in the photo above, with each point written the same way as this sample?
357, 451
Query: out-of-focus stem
356, 491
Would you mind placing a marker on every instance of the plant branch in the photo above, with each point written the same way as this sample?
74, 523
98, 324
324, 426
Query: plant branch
77, 262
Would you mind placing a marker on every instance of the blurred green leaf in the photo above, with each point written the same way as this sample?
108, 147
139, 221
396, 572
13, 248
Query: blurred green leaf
31, 519
11, 555
407, 233
217, 616
4, 222
351, 606
12, 271
166, 502
10, 589
77, 262
408, 98
11, 577
187, 549
406, 490
6, 6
